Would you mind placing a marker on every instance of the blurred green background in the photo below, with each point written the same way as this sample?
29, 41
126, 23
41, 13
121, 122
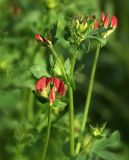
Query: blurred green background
19, 21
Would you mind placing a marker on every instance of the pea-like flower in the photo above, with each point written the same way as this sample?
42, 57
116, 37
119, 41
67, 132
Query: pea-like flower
50, 88
106, 23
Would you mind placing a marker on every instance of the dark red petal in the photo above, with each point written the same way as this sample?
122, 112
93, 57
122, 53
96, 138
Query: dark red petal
56, 82
96, 24
38, 38
52, 95
102, 17
114, 22
40, 84
48, 80
61, 89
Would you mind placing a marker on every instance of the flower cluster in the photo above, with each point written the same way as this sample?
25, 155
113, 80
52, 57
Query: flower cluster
105, 23
48, 87
77, 28
82, 28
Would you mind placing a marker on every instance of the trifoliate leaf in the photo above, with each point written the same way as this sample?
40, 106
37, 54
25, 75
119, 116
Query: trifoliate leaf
112, 141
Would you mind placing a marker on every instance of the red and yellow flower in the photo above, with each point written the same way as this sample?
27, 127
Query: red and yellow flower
50, 88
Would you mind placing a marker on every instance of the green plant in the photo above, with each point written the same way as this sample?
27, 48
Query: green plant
60, 75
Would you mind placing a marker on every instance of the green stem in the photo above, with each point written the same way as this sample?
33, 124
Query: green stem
71, 107
58, 61
73, 62
88, 99
71, 121
19, 153
48, 134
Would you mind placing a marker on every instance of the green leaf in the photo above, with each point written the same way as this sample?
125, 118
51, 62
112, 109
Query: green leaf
51, 60
67, 65
52, 33
66, 148
57, 70
67, 33
101, 40
59, 105
81, 156
112, 141
39, 71
73, 84
54, 29
101, 147
97, 31
107, 155
85, 45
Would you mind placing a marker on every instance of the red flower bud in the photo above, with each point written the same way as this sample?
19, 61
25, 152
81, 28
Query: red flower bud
48, 80
114, 22
96, 25
61, 89
38, 38
56, 83
102, 17
105, 22
41, 39
41, 83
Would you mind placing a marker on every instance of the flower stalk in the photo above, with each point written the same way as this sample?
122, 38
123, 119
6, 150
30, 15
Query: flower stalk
58, 61
71, 106
48, 134
73, 62
88, 99
71, 121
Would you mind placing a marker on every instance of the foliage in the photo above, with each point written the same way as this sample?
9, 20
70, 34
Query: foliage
23, 118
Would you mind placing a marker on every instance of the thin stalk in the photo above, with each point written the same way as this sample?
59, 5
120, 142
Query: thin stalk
71, 121
58, 61
48, 134
19, 153
88, 99
71, 107
73, 61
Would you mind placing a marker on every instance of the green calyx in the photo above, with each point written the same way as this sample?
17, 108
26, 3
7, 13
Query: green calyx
77, 29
